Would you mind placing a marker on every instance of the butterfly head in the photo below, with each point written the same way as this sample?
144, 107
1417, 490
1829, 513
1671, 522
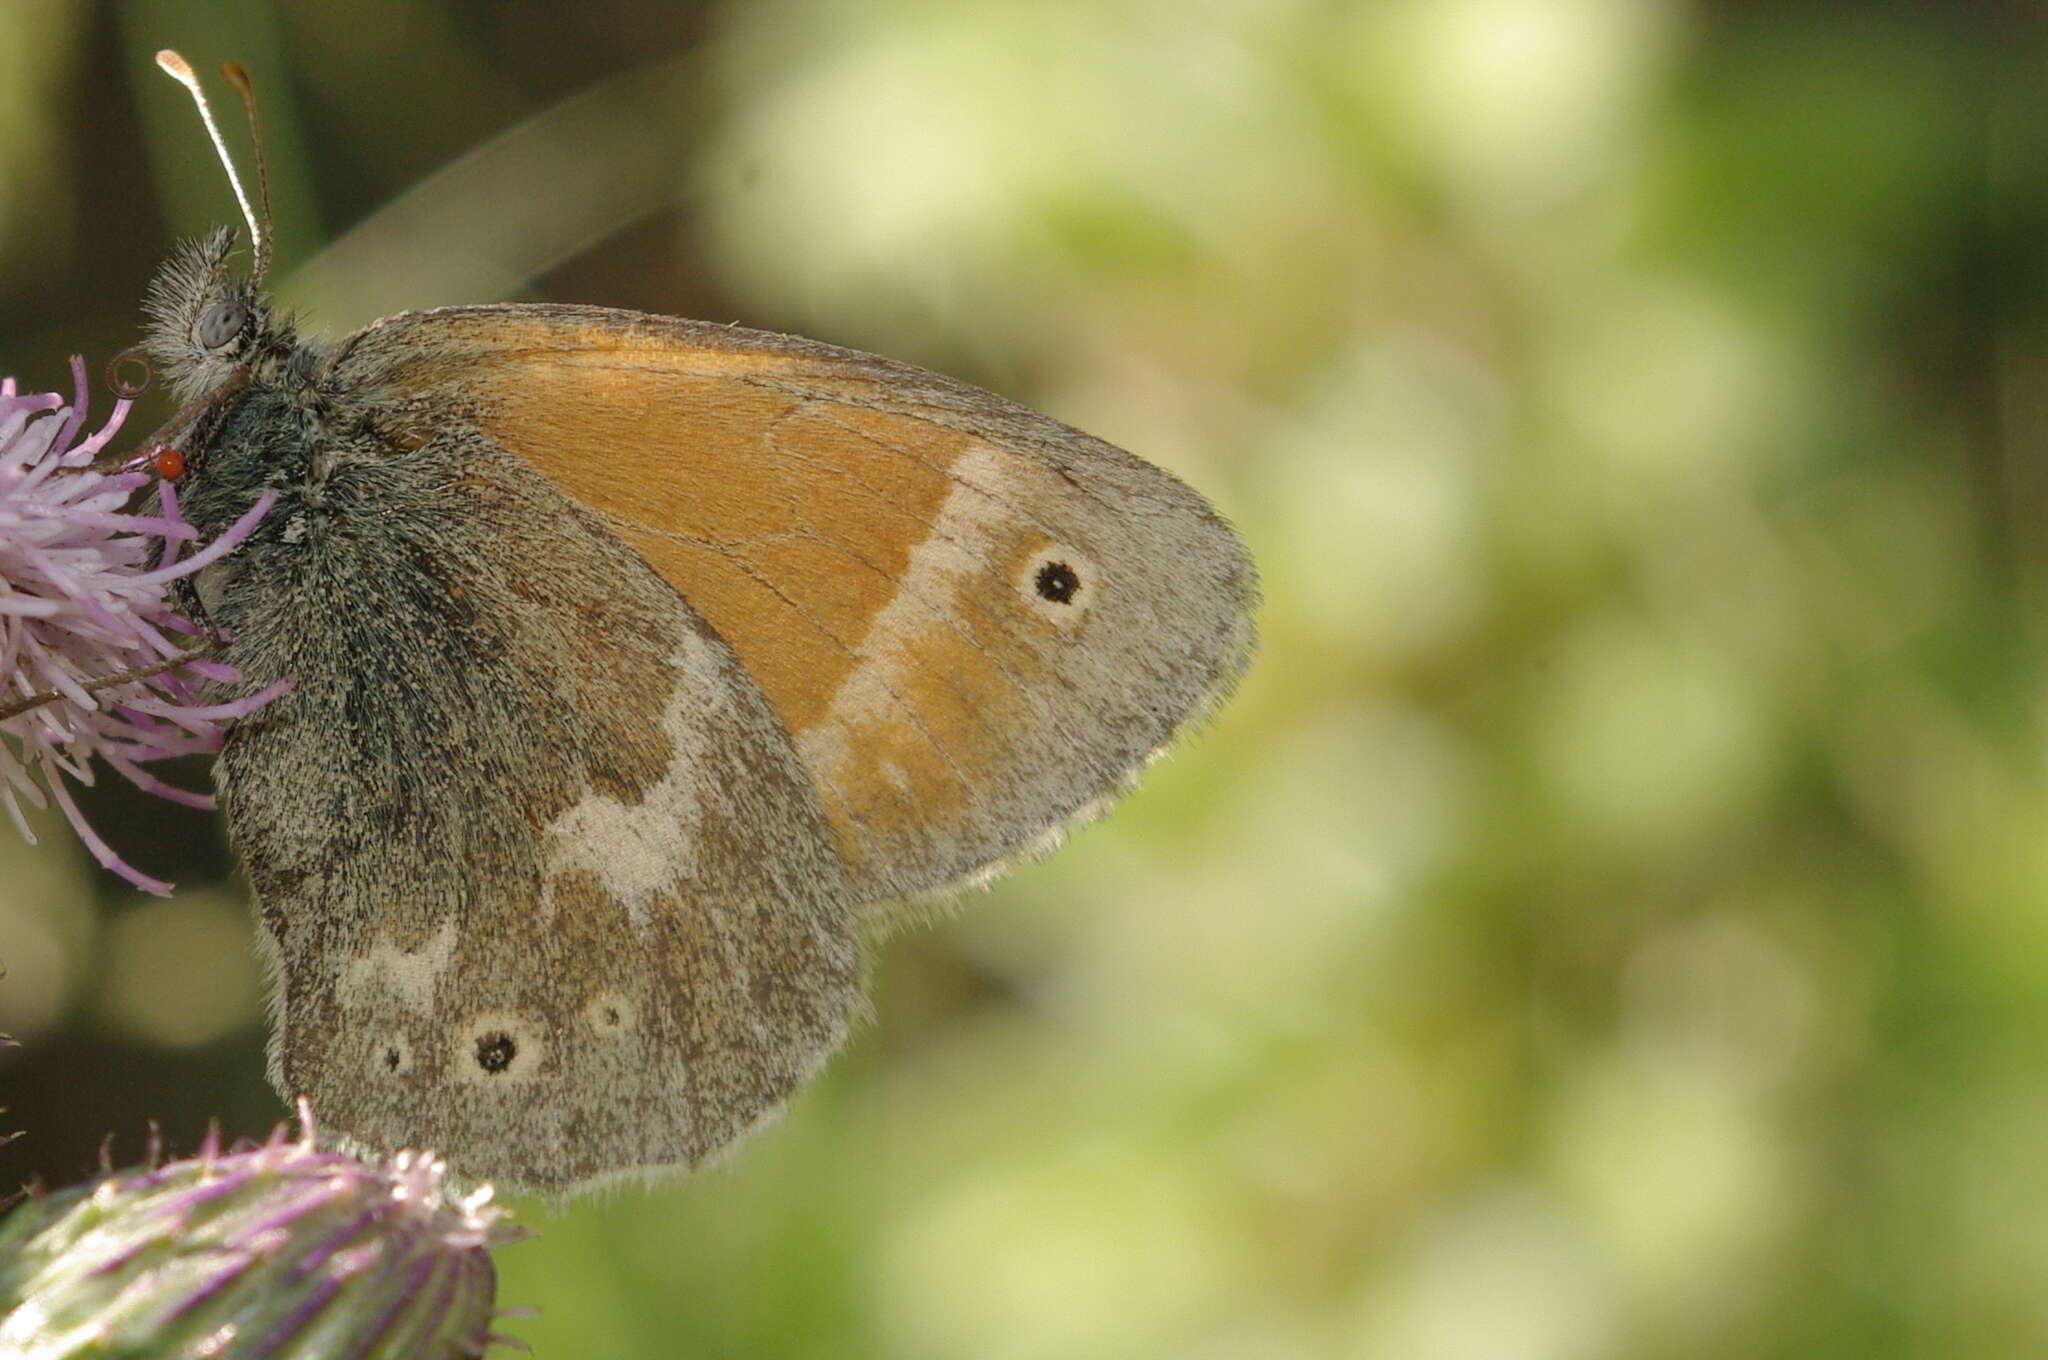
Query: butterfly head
212, 331
208, 326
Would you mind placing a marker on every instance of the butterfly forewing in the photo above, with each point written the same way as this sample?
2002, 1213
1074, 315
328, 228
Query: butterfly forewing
973, 622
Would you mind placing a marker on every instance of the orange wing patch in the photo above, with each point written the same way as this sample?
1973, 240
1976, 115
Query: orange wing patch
790, 557
839, 551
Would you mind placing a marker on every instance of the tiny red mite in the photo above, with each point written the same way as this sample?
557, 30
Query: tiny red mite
169, 464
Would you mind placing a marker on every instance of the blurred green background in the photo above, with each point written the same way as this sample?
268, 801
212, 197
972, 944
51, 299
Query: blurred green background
1612, 918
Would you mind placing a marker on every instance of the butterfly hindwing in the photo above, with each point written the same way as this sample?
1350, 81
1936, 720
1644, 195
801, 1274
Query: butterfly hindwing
543, 884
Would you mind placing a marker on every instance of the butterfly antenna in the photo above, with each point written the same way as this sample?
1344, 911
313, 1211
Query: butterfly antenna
180, 70
238, 76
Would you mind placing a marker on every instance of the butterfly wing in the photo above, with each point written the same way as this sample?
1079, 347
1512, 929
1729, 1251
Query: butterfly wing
975, 623
544, 886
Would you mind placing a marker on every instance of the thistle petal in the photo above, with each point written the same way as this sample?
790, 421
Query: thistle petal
82, 599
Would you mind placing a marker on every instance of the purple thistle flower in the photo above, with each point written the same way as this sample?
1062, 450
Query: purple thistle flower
272, 1251
83, 604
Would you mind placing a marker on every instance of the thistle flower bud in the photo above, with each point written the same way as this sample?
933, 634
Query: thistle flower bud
278, 1251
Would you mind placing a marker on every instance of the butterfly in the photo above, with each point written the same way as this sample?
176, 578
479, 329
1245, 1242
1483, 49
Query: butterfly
641, 668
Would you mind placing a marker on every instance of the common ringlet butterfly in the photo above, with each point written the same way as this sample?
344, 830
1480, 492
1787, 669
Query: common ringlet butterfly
640, 666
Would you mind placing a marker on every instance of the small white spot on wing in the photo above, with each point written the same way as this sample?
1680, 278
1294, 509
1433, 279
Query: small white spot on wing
409, 976
638, 853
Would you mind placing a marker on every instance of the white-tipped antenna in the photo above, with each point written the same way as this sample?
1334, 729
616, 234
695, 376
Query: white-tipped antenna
180, 70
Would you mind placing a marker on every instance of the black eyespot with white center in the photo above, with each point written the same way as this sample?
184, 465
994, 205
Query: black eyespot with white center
221, 324
499, 1048
1056, 582
1059, 584
496, 1051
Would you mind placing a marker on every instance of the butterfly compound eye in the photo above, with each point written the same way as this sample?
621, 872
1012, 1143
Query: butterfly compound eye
221, 323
